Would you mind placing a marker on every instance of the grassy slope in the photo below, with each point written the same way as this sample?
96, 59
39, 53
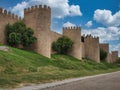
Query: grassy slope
19, 66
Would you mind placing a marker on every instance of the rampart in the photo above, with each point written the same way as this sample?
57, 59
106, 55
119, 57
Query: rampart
109, 58
74, 33
5, 18
54, 37
92, 50
105, 47
114, 56
39, 18
83, 50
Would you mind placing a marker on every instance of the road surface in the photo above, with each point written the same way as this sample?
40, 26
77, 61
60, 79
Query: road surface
109, 81
105, 82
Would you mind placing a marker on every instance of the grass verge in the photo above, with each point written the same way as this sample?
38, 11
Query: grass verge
24, 67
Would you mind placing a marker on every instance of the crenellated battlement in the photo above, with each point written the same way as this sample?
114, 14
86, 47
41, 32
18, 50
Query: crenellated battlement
89, 36
91, 47
9, 14
37, 7
72, 28
74, 33
38, 18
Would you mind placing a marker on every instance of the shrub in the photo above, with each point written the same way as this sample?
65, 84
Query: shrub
18, 33
14, 39
63, 45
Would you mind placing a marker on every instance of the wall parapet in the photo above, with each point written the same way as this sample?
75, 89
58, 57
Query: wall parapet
37, 7
90, 36
9, 14
71, 28
56, 33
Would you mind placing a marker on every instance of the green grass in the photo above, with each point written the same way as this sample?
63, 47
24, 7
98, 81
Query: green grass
24, 67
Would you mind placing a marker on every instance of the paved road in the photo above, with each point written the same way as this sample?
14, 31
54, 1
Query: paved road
104, 82
109, 81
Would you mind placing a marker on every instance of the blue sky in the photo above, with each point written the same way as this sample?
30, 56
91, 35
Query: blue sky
97, 17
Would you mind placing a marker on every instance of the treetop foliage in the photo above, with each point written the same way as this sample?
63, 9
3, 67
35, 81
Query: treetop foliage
18, 33
63, 45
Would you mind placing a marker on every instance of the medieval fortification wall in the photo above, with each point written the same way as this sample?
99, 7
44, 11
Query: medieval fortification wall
54, 37
39, 19
111, 57
105, 47
114, 56
83, 49
5, 18
74, 33
91, 47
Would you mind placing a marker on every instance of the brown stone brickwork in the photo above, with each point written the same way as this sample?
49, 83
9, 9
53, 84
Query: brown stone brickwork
83, 50
92, 50
5, 18
54, 37
109, 58
105, 47
39, 19
114, 56
74, 33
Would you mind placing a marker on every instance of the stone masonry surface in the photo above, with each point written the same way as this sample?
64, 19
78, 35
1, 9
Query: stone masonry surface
39, 19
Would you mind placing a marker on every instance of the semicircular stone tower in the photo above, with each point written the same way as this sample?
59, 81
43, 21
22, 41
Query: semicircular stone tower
6, 17
39, 19
74, 33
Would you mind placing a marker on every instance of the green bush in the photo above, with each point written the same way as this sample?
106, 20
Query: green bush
18, 33
118, 60
14, 39
103, 54
63, 45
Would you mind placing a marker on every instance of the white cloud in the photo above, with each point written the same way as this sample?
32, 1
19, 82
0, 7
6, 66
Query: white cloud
75, 10
106, 18
19, 8
68, 24
89, 24
60, 8
105, 34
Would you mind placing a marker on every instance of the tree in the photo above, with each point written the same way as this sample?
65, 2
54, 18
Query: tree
103, 54
18, 33
27, 37
14, 39
62, 45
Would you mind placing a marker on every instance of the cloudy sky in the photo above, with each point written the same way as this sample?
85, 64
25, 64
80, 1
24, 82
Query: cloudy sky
97, 17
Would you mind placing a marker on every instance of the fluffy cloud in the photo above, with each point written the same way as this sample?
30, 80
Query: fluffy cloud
75, 10
60, 8
89, 24
68, 24
19, 8
106, 18
105, 34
